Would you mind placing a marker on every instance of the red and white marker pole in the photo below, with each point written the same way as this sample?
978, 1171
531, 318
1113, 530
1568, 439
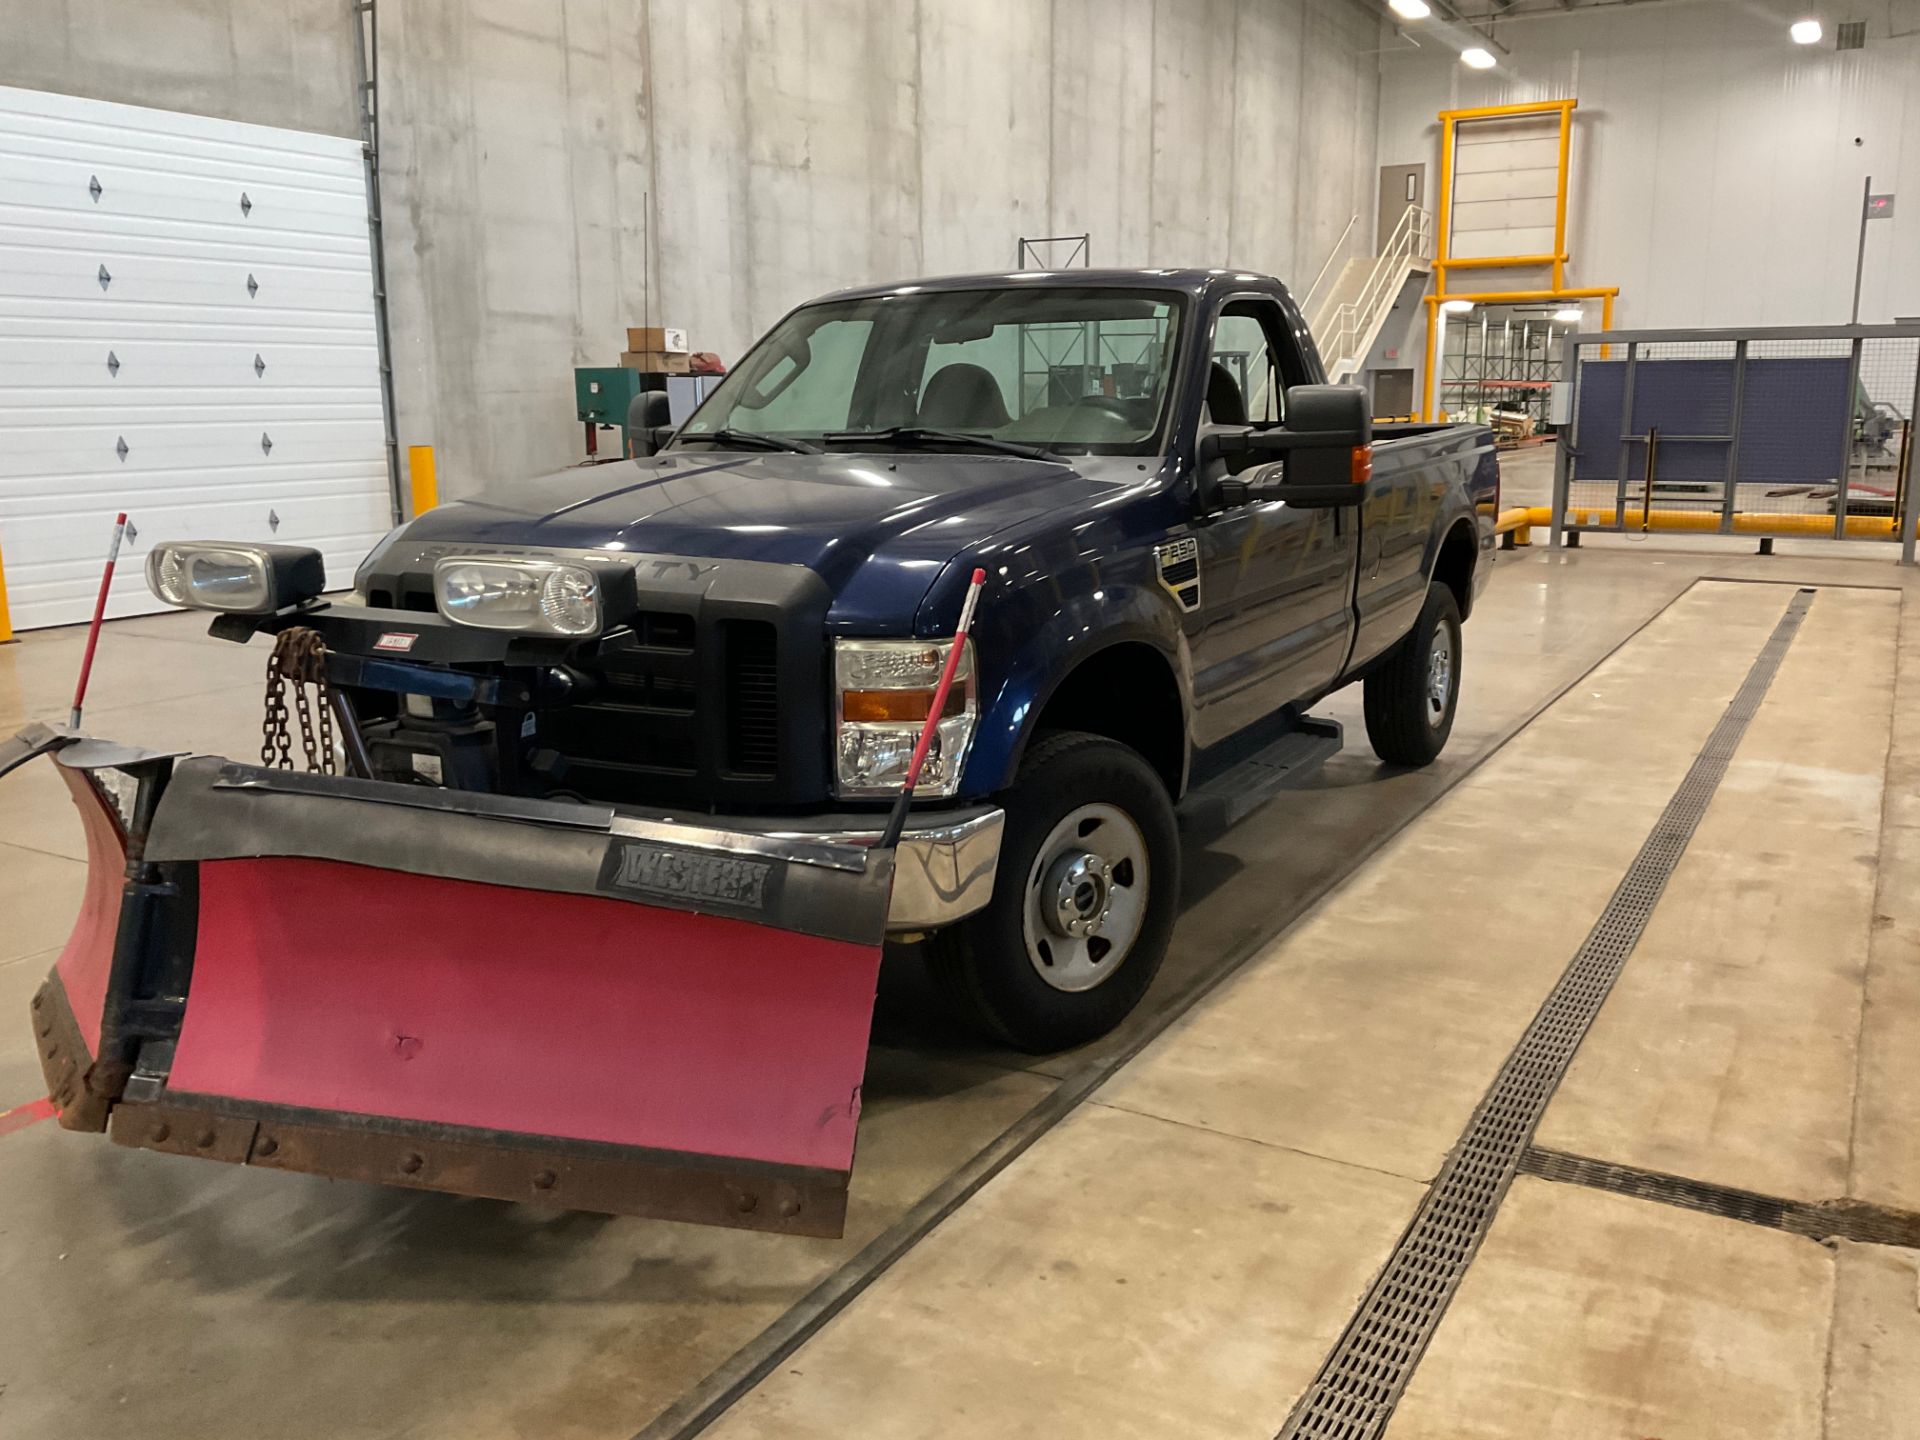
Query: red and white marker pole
897, 822
99, 614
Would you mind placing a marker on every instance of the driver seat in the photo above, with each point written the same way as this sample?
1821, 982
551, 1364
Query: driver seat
962, 396
1225, 404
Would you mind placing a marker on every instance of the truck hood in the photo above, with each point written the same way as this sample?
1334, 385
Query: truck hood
878, 528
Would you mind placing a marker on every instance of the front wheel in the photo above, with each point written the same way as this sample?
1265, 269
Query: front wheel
1410, 698
1083, 902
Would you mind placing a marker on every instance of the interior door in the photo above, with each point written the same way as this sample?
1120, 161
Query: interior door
1274, 618
1401, 186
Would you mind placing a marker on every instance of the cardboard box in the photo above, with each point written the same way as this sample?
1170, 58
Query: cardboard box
658, 337
658, 362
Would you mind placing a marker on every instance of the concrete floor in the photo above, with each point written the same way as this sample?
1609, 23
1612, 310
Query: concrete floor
1176, 1256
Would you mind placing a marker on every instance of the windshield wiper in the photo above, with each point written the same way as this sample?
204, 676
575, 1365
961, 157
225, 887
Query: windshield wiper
729, 436
920, 437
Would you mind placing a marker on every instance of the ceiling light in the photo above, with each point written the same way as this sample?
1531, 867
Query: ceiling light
1456, 307
1477, 58
1571, 315
1410, 9
1805, 32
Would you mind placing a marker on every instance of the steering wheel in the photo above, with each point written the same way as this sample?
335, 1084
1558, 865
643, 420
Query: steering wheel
1111, 404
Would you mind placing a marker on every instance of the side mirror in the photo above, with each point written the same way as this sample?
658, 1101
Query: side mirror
649, 422
1326, 446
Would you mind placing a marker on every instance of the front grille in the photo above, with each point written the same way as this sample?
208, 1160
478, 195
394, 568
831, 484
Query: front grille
753, 697
681, 711
710, 693
643, 721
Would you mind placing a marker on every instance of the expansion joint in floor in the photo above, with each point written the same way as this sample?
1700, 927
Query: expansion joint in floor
1841, 1219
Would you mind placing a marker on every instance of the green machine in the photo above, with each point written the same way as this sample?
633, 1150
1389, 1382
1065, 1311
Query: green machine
601, 397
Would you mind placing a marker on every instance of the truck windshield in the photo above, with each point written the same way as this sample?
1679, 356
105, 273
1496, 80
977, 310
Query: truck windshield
1051, 368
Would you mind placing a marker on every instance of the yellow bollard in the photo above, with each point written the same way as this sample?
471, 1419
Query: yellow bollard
426, 483
6, 616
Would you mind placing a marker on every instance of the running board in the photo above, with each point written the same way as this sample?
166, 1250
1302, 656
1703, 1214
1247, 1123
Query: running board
1284, 764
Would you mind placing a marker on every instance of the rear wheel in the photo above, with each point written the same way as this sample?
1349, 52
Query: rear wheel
1083, 903
1412, 694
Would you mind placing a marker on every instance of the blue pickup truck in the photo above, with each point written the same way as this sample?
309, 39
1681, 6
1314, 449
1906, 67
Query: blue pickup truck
1189, 539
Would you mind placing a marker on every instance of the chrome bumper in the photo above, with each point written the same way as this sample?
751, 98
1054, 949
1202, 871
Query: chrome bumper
943, 869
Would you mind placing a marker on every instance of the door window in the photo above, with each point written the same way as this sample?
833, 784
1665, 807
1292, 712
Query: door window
1241, 348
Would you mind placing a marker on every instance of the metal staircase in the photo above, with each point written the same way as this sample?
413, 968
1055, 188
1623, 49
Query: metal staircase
1347, 320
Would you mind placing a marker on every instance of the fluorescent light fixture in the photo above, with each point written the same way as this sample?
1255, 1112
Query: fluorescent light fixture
1571, 315
1410, 9
1476, 58
1456, 307
1805, 32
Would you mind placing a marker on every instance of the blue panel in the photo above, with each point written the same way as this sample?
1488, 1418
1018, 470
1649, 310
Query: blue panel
1794, 419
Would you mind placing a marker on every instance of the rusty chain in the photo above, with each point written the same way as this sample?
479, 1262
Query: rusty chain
300, 659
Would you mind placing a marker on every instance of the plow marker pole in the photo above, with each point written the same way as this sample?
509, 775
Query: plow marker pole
99, 614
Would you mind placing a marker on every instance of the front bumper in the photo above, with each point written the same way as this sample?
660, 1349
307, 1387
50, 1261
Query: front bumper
943, 868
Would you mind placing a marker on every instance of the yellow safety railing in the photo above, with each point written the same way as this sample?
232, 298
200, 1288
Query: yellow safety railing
1516, 522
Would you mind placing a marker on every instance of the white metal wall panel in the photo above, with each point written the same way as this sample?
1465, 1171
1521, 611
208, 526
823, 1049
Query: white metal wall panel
221, 381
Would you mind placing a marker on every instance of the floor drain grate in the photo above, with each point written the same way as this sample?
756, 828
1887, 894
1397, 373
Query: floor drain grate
1844, 1219
1353, 1396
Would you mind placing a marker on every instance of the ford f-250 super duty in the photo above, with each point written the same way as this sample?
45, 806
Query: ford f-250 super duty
1189, 539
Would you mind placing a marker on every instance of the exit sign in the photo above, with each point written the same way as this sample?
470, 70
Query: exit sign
1879, 207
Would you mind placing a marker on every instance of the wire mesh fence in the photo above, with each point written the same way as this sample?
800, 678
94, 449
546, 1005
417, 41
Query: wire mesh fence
1804, 431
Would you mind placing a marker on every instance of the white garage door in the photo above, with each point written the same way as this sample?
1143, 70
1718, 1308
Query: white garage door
186, 334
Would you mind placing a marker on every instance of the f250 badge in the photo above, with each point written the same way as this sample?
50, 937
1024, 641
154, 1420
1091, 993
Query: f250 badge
1177, 563
688, 878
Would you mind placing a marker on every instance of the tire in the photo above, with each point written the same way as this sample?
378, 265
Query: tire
1020, 977
1412, 695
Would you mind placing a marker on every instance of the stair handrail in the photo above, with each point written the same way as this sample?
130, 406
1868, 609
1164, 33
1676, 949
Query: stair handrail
1411, 239
1306, 304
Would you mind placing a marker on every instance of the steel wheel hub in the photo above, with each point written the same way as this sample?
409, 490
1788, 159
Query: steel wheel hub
1086, 897
1080, 885
1439, 675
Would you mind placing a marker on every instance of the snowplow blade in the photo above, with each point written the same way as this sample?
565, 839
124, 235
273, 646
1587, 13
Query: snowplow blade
520, 999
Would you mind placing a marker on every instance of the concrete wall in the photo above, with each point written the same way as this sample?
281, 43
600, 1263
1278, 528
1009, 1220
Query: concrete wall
782, 148
556, 170
1716, 178
269, 62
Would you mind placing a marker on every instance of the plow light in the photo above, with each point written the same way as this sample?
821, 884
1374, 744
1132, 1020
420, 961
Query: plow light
242, 579
548, 597
885, 690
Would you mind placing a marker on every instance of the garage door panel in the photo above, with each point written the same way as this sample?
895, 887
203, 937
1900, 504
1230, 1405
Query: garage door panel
51, 370
110, 318
31, 271
175, 493
66, 386
164, 446
1508, 185
60, 198
202, 368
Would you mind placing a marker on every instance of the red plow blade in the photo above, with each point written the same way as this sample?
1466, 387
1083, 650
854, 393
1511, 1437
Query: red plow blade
460, 992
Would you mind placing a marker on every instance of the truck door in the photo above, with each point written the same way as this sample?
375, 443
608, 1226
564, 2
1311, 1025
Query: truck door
1275, 614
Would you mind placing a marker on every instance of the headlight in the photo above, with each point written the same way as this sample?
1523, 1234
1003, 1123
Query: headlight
247, 579
884, 691
552, 597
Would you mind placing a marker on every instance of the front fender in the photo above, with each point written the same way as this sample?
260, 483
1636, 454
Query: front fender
1044, 638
